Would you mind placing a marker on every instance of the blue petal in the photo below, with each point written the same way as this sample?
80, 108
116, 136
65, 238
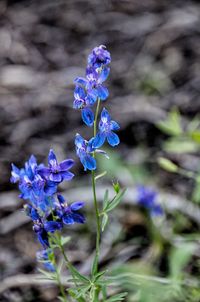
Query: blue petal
44, 172
104, 74
105, 116
52, 226
52, 158
67, 175
61, 198
75, 206
50, 188
80, 81
55, 177
91, 97
79, 93
66, 164
43, 238
15, 174
99, 140
68, 219
79, 141
114, 126
102, 92
88, 116
88, 162
78, 218
113, 139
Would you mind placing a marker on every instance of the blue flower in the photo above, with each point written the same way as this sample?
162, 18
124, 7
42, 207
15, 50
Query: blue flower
43, 256
95, 85
84, 150
32, 186
147, 199
57, 172
106, 128
69, 213
99, 57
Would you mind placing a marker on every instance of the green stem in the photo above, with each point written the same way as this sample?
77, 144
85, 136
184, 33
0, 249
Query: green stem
98, 235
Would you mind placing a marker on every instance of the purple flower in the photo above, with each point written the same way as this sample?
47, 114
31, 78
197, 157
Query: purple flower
99, 57
106, 128
84, 150
147, 199
69, 213
57, 172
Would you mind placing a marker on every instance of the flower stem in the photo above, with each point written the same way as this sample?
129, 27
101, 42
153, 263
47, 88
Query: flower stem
98, 234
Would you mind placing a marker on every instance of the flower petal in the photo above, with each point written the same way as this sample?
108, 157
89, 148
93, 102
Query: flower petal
80, 81
55, 177
52, 226
99, 140
67, 175
102, 92
88, 116
66, 164
114, 126
88, 162
104, 75
75, 206
68, 219
113, 139
105, 116
52, 158
44, 172
78, 218
61, 198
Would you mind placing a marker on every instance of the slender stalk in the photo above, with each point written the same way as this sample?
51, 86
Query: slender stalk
98, 235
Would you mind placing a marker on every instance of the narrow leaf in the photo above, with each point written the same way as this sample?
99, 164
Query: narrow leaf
100, 175
104, 222
115, 201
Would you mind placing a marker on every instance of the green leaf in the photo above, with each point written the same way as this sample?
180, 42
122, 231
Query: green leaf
180, 146
167, 165
94, 265
172, 125
78, 275
117, 298
64, 240
104, 222
196, 191
99, 275
116, 200
116, 187
100, 175
195, 135
179, 258
61, 299
105, 200
48, 275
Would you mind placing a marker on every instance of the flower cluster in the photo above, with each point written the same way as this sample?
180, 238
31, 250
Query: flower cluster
147, 199
39, 186
88, 91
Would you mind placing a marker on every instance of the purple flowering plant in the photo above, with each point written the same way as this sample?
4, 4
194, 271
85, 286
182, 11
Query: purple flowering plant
48, 209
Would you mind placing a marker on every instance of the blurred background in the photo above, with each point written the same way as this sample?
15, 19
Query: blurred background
154, 88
